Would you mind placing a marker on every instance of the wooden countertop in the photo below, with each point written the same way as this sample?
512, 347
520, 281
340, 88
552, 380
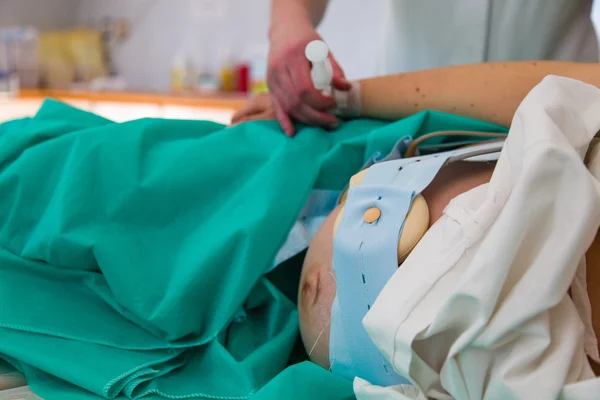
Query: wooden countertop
220, 101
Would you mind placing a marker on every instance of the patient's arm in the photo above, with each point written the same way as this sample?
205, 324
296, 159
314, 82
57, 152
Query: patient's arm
490, 92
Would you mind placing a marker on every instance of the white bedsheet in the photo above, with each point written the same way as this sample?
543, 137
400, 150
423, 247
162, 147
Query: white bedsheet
480, 309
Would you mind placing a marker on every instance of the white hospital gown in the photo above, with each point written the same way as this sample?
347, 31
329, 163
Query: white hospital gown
480, 309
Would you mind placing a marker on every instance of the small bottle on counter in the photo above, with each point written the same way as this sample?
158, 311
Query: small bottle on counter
4, 83
206, 78
242, 76
9, 84
257, 56
178, 73
227, 72
206, 83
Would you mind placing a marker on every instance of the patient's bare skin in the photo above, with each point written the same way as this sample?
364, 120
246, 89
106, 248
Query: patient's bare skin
257, 108
317, 283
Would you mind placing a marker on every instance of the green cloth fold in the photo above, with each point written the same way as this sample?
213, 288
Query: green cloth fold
132, 255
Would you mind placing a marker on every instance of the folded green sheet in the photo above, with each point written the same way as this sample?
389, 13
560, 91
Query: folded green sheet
132, 255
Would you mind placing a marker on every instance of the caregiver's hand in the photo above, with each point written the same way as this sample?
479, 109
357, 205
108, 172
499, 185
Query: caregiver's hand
289, 81
259, 107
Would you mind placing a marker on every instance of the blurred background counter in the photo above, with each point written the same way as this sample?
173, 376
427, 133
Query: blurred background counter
126, 59
124, 106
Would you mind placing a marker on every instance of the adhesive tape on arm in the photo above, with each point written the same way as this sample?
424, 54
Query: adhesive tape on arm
348, 102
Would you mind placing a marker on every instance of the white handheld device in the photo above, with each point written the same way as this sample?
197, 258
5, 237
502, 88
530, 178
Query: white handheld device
317, 53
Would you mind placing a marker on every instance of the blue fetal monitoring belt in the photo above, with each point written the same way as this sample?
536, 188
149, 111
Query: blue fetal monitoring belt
365, 253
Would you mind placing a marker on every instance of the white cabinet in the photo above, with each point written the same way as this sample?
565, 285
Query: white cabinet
12, 109
84, 105
118, 111
222, 116
121, 112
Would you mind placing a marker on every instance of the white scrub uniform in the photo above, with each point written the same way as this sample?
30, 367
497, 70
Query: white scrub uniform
423, 34
480, 309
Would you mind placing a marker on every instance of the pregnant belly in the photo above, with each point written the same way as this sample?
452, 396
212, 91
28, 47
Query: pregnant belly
453, 180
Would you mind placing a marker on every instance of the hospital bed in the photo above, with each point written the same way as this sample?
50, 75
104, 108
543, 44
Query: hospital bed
13, 385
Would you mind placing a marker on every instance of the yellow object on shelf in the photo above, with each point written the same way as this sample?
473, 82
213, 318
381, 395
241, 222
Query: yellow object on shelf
259, 87
227, 79
177, 80
87, 50
55, 60
67, 56
180, 74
